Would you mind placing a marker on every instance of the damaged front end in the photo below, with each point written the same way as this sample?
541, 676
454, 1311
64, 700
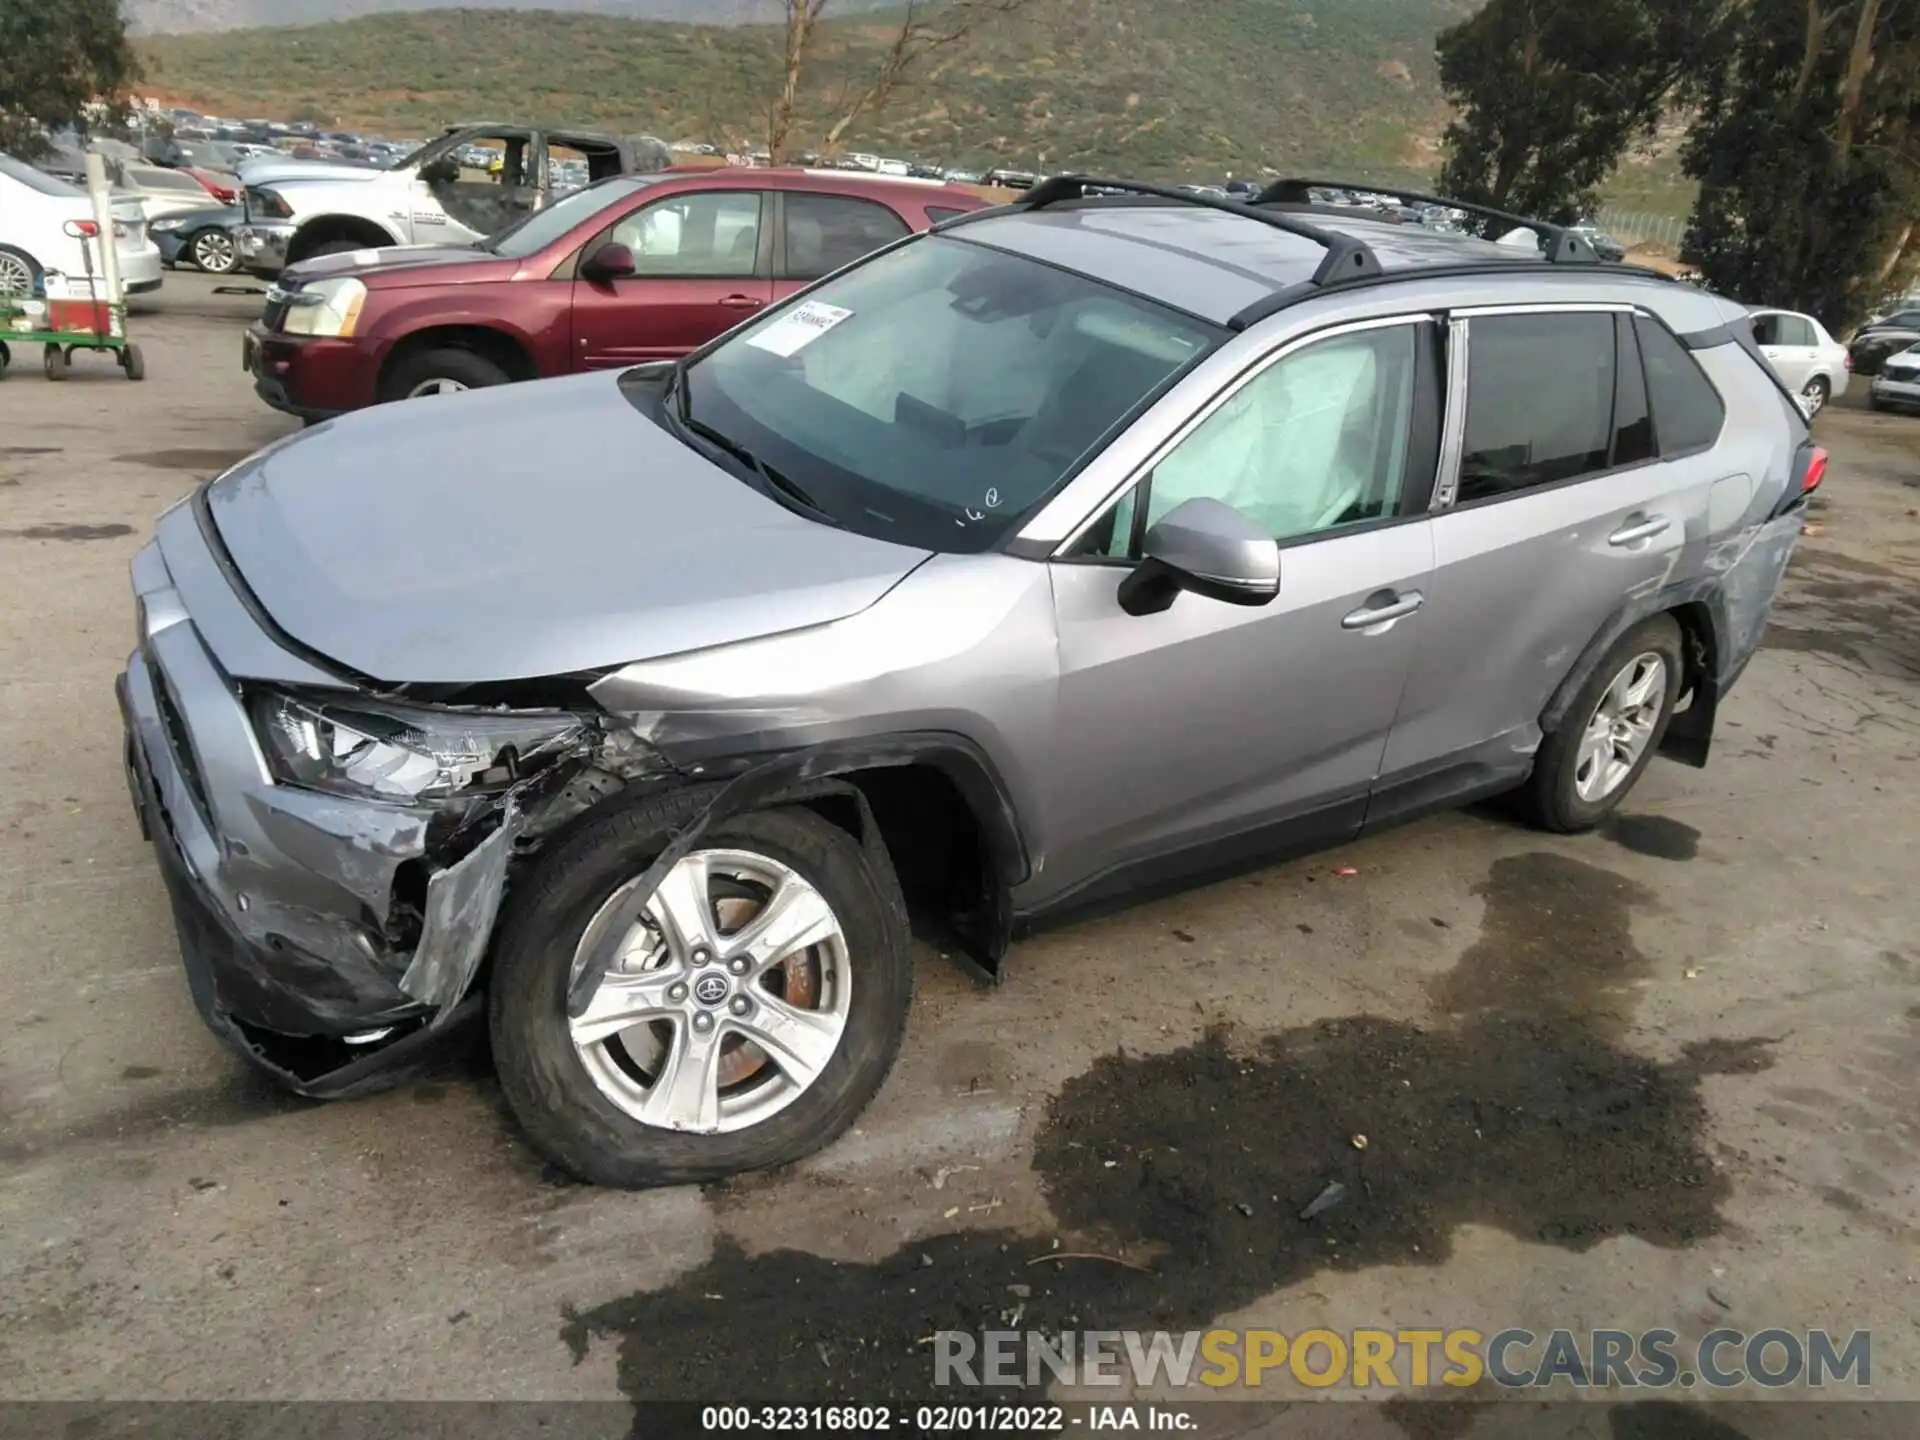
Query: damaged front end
337, 860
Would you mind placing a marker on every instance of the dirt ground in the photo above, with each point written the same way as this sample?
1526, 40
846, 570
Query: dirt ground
1658, 1076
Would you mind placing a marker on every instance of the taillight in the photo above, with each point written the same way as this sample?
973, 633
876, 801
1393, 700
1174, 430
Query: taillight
1815, 472
81, 229
1849, 362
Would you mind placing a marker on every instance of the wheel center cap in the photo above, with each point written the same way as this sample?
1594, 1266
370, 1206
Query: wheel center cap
710, 989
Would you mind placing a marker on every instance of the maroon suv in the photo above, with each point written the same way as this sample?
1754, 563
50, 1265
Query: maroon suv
634, 268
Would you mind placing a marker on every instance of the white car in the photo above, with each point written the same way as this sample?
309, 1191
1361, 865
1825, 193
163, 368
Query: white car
35, 244
1897, 386
162, 191
1809, 361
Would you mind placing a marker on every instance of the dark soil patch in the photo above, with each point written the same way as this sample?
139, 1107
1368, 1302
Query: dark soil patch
1660, 836
69, 532
211, 461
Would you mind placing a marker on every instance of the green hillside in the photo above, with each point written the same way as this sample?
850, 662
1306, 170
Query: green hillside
1145, 87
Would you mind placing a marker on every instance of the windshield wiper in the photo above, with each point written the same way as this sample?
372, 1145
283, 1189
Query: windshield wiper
675, 396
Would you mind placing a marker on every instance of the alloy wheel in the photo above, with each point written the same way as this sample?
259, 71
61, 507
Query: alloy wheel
438, 385
1621, 726
725, 1002
16, 277
1816, 397
213, 252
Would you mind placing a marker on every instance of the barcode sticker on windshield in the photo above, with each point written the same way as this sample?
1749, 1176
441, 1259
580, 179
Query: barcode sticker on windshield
799, 328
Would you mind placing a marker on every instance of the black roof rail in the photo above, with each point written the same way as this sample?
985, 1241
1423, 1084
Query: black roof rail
1561, 245
1471, 269
1347, 259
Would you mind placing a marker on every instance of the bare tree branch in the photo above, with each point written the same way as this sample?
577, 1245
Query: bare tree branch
923, 32
803, 16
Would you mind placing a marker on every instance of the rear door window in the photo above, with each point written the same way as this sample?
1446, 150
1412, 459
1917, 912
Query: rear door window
825, 232
1540, 402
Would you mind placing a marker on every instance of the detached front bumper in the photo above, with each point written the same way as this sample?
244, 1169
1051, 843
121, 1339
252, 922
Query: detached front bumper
263, 246
1891, 391
287, 902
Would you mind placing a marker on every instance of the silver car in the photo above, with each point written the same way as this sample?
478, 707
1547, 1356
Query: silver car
1075, 549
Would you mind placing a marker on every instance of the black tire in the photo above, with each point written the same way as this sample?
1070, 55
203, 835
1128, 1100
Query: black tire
1874, 402
212, 265
56, 362
1819, 386
447, 364
565, 1114
336, 247
133, 362
1549, 798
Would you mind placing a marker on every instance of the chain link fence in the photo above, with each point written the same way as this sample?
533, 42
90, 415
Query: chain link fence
1633, 227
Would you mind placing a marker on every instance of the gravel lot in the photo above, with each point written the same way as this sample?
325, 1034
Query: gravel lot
1662, 1075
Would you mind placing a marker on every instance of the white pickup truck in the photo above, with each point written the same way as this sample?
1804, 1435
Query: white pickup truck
296, 209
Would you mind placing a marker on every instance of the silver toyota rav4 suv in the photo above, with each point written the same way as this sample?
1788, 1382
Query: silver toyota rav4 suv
1094, 544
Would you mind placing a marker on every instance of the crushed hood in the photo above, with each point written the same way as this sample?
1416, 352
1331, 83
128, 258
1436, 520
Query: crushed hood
537, 529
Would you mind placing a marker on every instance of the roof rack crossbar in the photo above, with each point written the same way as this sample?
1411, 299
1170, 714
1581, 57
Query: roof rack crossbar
1346, 258
1559, 244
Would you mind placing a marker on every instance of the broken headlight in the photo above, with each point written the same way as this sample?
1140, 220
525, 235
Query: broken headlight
369, 750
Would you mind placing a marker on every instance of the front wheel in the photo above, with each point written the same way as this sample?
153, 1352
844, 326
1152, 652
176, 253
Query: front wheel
753, 1007
444, 371
1584, 769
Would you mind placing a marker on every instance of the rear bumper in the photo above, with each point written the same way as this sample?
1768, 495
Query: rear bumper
311, 376
282, 898
139, 268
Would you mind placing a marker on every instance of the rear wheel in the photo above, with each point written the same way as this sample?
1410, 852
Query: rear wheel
1816, 393
20, 273
1584, 769
133, 362
56, 362
443, 371
213, 251
753, 1007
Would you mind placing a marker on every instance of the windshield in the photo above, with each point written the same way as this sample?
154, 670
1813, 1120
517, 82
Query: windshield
540, 229
937, 394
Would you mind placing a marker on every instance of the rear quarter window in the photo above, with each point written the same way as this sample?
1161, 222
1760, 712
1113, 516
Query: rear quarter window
1688, 413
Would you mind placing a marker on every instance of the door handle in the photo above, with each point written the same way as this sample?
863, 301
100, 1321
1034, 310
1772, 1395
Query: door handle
1635, 531
1382, 609
741, 302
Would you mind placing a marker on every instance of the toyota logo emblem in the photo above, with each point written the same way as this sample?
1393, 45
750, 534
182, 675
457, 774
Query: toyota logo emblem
710, 989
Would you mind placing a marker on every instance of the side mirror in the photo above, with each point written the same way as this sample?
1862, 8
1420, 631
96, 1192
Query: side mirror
1208, 548
609, 262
